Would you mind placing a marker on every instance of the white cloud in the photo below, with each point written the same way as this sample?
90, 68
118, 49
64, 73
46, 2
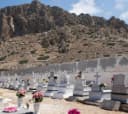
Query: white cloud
124, 16
121, 4
85, 6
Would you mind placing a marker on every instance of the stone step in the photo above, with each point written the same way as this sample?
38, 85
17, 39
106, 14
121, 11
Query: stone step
81, 93
99, 96
49, 93
124, 107
89, 102
110, 105
121, 98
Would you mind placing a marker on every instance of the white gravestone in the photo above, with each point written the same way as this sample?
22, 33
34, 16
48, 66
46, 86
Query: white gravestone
52, 86
81, 89
65, 89
98, 93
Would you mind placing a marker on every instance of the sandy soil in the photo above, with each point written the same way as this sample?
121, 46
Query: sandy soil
53, 106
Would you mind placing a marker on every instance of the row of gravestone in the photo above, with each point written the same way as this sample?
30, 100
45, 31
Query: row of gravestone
17, 82
65, 89
59, 86
62, 87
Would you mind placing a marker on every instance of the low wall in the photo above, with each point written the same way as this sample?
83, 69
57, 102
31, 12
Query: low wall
106, 67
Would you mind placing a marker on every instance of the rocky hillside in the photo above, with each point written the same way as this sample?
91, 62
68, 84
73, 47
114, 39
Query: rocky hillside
35, 34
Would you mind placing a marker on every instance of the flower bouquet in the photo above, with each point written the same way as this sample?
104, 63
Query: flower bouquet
73, 111
37, 97
10, 109
20, 93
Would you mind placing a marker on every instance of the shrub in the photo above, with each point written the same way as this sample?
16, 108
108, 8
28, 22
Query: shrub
33, 51
12, 53
2, 58
44, 57
23, 61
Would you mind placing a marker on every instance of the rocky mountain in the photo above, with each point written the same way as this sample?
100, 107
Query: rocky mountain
35, 34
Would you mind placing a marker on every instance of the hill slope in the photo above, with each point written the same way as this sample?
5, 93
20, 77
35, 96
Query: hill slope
35, 34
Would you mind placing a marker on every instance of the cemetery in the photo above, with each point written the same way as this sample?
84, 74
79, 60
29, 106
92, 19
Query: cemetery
100, 82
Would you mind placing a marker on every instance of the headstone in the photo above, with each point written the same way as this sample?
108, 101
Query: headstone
52, 85
98, 93
65, 89
81, 89
120, 88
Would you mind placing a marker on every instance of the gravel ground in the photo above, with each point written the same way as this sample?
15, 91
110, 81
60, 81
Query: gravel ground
54, 106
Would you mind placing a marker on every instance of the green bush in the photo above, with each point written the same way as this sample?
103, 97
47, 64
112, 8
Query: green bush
45, 57
12, 53
33, 51
23, 61
2, 58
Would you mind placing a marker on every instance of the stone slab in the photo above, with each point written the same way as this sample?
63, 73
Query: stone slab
60, 89
106, 96
62, 95
99, 96
120, 89
121, 98
120, 79
83, 98
96, 87
124, 107
110, 105
83, 88
49, 93
95, 95
81, 93
52, 88
71, 98
89, 102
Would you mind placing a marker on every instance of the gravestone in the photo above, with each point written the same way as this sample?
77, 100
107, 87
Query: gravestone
65, 89
98, 93
52, 85
81, 89
120, 88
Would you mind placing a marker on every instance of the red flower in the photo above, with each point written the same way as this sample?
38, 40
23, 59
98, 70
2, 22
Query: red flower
73, 111
21, 93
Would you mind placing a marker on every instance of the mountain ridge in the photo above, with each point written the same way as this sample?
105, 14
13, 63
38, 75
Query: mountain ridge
23, 15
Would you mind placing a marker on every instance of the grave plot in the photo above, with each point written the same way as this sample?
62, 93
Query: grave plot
120, 90
98, 92
65, 88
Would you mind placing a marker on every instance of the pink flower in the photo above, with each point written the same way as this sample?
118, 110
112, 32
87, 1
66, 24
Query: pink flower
21, 93
10, 109
37, 96
73, 111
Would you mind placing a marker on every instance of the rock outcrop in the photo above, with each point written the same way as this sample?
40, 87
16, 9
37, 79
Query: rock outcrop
37, 18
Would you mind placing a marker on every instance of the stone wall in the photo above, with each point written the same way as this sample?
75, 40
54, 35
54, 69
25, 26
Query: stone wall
106, 67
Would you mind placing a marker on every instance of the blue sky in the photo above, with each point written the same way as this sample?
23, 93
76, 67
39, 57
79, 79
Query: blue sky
104, 8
